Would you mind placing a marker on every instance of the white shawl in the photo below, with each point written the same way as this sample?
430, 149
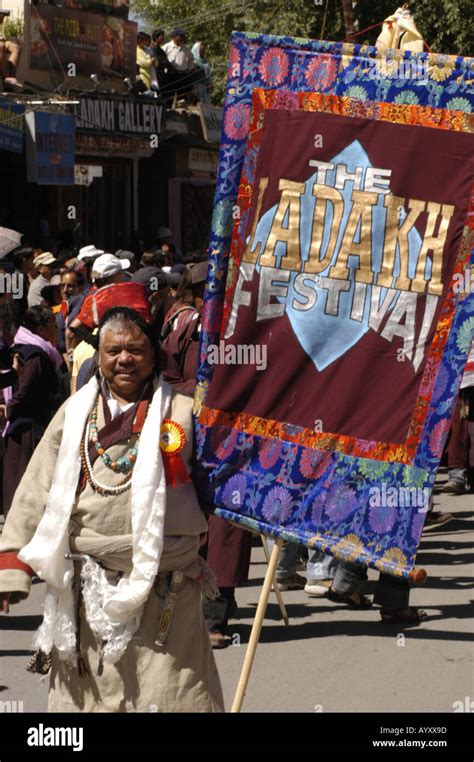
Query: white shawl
113, 612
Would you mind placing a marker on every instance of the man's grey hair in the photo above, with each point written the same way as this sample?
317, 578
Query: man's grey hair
116, 323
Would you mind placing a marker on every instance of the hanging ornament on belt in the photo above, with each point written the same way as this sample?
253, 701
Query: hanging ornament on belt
172, 441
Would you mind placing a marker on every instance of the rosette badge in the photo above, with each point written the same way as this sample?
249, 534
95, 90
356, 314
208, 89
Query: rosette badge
172, 441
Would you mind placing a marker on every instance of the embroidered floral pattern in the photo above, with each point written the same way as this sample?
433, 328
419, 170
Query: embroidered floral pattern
382, 518
234, 492
340, 503
438, 437
273, 66
278, 505
236, 121
270, 451
321, 72
316, 489
440, 67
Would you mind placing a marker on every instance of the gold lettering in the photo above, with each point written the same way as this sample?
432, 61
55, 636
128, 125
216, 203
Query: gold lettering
395, 234
324, 193
289, 203
248, 255
361, 211
434, 243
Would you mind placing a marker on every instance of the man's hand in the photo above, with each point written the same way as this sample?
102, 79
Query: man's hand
3, 414
5, 603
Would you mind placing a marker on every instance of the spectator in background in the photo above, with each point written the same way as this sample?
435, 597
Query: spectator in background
52, 300
169, 252
181, 330
152, 259
157, 286
43, 265
202, 88
71, 286
228, 548
33, 400
106, 270
163, 65
51, 295
90, 252
178, 53
130, 256
146, 63
164, 237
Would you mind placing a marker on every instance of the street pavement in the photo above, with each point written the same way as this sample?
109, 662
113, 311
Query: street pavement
329, 658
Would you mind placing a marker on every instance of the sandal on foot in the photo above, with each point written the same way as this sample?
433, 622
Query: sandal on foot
409, 615
362, 601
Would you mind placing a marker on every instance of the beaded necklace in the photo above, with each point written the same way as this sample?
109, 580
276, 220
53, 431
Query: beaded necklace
124, 464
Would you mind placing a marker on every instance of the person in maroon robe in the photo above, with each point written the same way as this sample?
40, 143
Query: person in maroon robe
34, 397
228, 547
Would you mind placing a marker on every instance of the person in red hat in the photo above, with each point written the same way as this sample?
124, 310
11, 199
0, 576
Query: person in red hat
115, 532
109, 290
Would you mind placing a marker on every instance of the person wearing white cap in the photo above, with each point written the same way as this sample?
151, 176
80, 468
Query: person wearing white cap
43, 266
89, 252
106, 269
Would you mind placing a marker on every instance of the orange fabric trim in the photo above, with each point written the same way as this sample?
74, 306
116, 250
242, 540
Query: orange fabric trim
392, 112
10, 560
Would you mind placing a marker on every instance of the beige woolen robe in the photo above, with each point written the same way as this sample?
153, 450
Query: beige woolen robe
179, 676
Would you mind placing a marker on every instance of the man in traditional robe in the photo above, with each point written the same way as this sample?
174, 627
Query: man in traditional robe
108, 516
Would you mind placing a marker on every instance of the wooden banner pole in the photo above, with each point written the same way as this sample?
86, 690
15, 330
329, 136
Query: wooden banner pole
256, 628
279, 597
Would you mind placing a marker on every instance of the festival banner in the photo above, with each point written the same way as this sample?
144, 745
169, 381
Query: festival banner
334, 339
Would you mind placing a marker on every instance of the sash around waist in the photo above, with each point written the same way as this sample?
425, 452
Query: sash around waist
115, 553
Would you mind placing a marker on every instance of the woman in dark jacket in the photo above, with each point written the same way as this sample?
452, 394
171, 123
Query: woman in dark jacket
34, 398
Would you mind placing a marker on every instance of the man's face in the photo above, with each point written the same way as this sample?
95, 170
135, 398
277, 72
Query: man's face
69, 285
126, 359
178, 40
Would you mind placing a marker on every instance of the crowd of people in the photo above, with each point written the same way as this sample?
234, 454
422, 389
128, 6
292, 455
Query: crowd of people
172, 68
98, 355
164, 69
